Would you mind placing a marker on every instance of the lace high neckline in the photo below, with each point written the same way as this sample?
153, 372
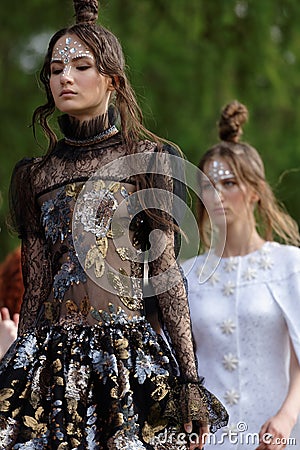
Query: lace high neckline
88, 132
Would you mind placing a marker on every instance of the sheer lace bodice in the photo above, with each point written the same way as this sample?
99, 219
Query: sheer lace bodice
85, 238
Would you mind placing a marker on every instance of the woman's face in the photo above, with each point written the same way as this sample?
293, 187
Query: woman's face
225, 196
77, 87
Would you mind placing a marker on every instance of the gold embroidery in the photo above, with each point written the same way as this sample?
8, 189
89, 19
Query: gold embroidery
124, 253
95, 258
34, 399
72, 405
119, 420
16, 412
102, 244
124, 383
38, 413
34, 424
73, 189
155, 423
51, 310
70, 428
114, 187
85, 306
122, 284
121, 346
24, 393
99, 185
162, 388
5, 393
71, 307
83, 309
63, 446
59, 381
114, 392
57, 366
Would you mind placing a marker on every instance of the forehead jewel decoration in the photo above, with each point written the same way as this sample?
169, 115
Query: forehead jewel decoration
217, 171
70, 50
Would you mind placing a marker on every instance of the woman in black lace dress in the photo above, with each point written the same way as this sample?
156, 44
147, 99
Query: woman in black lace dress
90, 368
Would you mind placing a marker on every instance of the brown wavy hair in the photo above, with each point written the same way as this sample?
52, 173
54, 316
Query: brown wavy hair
273, 222
110, 61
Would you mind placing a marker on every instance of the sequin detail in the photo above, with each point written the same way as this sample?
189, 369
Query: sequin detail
217, 171
56, 221
86, 363
95, 210
71, 50
106, 134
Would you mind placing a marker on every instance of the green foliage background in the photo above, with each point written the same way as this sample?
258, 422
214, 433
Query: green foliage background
186, 60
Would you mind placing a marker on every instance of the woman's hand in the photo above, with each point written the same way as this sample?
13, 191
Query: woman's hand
275, 432
8, 330
202, 434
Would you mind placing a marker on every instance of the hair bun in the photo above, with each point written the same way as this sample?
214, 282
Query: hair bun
86, 11
233, 116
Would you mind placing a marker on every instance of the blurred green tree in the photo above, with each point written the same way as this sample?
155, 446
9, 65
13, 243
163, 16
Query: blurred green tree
186, 59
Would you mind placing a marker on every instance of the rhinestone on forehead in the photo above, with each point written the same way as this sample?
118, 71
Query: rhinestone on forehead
70, 50
217, 171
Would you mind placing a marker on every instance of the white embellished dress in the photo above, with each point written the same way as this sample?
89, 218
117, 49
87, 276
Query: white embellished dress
243, 317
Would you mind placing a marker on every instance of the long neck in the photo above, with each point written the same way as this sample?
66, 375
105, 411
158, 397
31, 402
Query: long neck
240, 239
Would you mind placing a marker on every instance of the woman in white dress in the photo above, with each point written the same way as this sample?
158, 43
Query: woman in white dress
245, 298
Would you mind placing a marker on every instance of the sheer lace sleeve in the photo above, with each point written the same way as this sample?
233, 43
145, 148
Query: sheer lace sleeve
168, 283
36, 267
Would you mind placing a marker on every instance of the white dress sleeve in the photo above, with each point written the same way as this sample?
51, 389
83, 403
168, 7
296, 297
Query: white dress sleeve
287, 296
286, 292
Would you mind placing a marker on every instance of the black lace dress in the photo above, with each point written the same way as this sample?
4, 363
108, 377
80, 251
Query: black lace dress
91, 368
